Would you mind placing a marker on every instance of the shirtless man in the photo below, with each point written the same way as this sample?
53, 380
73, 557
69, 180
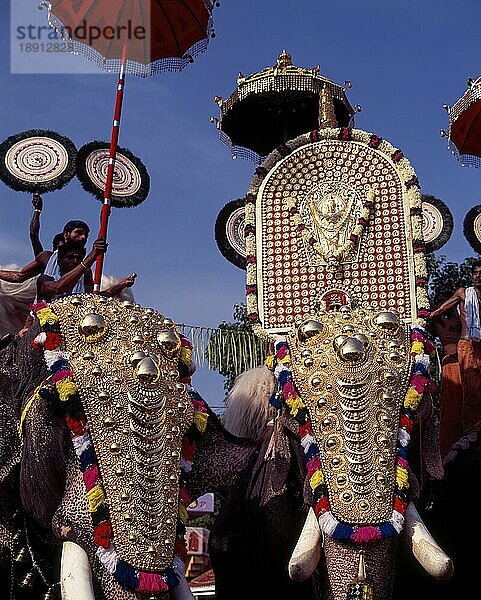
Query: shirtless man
73, 264
46, 261
468, 347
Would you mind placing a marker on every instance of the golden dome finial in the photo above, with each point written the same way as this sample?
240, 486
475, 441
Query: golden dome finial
284, 60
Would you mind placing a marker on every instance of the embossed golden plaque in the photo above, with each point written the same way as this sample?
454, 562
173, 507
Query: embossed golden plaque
125, 362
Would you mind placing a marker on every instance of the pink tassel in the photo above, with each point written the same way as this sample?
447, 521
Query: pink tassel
313, 465
198, 405
418, 382
63, 374
366, 534
151, 583
90, 477
402, 463
289, 391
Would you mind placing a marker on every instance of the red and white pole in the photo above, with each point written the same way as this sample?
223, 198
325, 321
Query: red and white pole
104, 215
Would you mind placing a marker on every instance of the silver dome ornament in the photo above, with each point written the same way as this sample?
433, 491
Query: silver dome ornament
136, 357
309, 329
352, 350
147, 371
169, 342
363, 339
387, 320
93, 327
339, 341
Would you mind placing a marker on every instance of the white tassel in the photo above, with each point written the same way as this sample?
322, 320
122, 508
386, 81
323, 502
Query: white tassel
397, 521
41, 338
423, 359
109, 558
328, 523
306, 441
403, 437
81, 443
52, 356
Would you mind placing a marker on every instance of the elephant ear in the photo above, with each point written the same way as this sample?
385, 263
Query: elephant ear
45, 437
218, 460
9, 440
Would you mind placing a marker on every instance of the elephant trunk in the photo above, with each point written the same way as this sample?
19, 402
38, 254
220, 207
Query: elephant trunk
75, 573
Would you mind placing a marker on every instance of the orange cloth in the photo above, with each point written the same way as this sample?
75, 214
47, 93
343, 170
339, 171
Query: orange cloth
450, 418
469, 358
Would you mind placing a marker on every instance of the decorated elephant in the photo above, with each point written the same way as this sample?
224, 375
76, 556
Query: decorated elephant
262, 510
110, 426
108, 433
336, 280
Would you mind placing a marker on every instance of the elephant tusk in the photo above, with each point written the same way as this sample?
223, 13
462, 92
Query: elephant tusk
75, 573
307, 552
430, 556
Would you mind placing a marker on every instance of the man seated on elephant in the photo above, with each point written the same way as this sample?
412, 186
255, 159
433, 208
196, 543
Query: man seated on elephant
73, 267
47, 261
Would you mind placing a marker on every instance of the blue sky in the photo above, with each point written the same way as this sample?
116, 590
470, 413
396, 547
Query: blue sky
405, 60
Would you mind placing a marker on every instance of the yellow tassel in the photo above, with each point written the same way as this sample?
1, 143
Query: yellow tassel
186, 355
285, 360
295, 404
316, 479
417, 348
412, 399
402, 477
183, 516
269, 362
46, 315
200, 420
95, 497
65, 389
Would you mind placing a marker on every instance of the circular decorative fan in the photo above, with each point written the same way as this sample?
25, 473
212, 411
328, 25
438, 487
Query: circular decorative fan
37, 160
131, 182
472, 228
437, 223
229, 233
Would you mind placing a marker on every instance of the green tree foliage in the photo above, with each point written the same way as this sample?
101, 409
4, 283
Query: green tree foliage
446, 277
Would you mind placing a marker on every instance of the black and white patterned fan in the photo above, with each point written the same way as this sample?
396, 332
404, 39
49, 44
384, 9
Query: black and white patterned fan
131, 182
230, 234
472, 228
37, 160
437, 223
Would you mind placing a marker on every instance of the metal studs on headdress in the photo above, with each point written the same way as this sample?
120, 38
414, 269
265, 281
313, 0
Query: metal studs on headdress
388, 321
309, 329
93, 327
169, 342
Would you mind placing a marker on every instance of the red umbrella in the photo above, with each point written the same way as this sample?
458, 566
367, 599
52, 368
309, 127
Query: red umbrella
141, 37
465, 125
